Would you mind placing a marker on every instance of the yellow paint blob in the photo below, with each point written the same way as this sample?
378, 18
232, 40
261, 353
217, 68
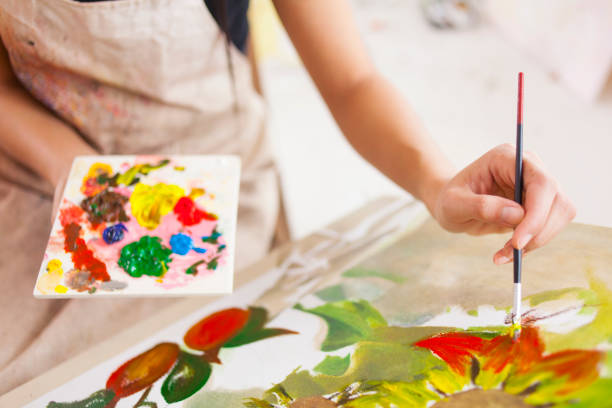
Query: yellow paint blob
61, 289
151, 203
196, 192
90, 186
49, 281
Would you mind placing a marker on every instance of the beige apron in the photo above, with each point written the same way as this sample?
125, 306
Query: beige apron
132, 76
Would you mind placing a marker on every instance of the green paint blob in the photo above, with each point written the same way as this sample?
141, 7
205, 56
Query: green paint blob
333, 365
193, 269
366, 273
147, 256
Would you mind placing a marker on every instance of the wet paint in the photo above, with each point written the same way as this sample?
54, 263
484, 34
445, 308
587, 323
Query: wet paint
147, 256
188, 212
181, 244
114, 233
103, 232
106, 206
51, 281
150, 203
82, 257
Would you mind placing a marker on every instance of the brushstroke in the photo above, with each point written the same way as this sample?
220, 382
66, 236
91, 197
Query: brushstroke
98, 399
141, 371
348, 322
187, 377
365, 273
594, 333
333, 365
147, 256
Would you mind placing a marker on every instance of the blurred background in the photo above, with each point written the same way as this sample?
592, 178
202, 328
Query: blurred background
457, 63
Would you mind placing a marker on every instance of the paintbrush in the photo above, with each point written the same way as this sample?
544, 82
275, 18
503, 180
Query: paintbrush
518, 197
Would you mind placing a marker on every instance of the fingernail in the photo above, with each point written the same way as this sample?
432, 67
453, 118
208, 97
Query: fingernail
524, 241
511, 215
502, 259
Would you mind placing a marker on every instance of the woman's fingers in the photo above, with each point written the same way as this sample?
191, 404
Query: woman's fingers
561, 214
490, 213
540, 192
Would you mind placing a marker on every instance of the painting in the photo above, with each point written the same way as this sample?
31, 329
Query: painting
143, 226
423, 322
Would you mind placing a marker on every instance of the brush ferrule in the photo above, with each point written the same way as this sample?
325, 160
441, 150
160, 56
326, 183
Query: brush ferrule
516, 312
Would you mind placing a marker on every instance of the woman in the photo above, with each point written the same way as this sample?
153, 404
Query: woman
158, 76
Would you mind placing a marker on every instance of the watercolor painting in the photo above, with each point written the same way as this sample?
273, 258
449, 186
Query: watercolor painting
390, 331
143, 226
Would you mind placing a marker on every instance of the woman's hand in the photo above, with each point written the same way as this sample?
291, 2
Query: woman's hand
479, 200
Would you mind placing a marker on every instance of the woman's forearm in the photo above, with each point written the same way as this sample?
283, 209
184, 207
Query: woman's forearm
381, 126
31, 134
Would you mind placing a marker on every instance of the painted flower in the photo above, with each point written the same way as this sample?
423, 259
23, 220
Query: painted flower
425, 366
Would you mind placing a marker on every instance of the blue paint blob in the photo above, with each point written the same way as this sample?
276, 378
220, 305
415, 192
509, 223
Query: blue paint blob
114, 233
181, 243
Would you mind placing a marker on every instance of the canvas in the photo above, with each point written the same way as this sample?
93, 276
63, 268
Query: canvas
423, 322
143, 226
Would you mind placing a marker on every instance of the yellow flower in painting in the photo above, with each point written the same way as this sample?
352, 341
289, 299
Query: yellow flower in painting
50, 281
151, 203
96, 179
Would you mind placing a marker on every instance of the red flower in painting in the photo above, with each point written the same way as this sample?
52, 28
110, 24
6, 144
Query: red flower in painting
519, 366
456, 349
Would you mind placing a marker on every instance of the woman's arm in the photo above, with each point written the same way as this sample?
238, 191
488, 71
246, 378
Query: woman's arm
31, 134
382, 127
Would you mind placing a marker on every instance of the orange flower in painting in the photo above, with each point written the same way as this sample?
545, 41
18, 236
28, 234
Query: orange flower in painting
520, 366
454, 348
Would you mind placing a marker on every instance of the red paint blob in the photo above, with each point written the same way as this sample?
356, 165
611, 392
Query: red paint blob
188, 212
456, 349
82, 257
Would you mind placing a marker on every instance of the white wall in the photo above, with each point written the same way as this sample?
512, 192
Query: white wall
463, 85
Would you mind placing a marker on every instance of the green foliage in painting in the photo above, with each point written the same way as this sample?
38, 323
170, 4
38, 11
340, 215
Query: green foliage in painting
98, 399
189, 374
348, 322
254, 330
333, 365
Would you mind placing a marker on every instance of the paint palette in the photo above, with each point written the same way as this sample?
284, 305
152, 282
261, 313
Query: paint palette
143, 226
